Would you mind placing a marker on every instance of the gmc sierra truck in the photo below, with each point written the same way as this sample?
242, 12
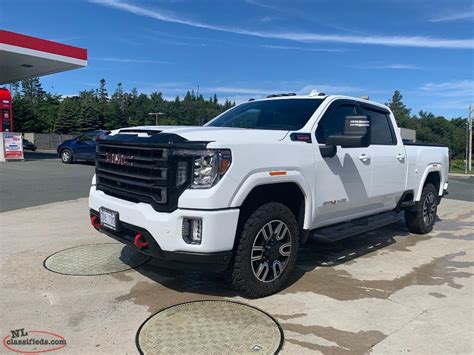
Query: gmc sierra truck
243, 192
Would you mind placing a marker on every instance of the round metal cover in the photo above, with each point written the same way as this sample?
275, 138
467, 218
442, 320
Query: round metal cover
95, 259
210, 327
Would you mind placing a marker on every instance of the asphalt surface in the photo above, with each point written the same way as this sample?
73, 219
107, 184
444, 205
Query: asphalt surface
383, 292
42, 179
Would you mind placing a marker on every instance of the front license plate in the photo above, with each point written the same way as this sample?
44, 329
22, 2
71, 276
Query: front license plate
108, 218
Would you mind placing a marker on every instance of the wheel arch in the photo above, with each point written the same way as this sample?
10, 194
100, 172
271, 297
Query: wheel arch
432, 174
290, 190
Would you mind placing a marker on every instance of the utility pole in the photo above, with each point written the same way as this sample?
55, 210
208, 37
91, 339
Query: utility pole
156, 114
469, 137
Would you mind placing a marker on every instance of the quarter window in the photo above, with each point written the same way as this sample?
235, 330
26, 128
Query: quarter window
381, 127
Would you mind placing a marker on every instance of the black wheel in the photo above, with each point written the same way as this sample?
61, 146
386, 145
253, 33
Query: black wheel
421, 218
66, 156
266, 252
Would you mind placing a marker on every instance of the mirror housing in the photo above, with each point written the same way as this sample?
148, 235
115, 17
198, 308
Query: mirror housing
355, 135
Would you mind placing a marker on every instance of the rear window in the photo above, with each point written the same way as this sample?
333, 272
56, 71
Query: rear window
284, 114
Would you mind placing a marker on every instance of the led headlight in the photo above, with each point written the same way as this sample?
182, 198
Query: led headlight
208, 166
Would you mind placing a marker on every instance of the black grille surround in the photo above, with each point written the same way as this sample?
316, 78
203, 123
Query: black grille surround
143, 169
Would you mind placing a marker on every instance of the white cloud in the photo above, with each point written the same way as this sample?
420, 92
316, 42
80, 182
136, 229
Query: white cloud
302, 48
399, 66
455, 88
129, 60
395, 41
465, 15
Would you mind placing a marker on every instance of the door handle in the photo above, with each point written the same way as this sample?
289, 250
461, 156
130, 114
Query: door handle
364, 157
400, 157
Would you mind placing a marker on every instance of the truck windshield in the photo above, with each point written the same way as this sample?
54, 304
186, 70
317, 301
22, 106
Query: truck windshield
284, 114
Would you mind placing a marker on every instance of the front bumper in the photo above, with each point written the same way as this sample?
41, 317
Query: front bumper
163, 230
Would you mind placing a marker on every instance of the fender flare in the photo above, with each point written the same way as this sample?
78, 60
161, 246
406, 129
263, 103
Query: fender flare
432, 167
264, 178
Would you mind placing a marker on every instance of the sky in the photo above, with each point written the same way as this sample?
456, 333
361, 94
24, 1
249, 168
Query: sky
241, 49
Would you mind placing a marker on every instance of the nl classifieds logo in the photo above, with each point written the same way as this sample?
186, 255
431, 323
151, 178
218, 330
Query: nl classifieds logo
33, 341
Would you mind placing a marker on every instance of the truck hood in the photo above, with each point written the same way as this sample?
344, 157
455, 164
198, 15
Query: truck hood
215, 134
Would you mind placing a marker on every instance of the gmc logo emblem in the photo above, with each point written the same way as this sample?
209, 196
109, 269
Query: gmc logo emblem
119, 159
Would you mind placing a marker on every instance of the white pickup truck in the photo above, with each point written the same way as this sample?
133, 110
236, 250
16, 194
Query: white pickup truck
243, 192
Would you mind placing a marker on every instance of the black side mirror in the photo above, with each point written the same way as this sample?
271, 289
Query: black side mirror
356, 133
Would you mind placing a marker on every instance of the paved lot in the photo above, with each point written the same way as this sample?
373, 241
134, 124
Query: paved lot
461, 187
383, 292
41, 179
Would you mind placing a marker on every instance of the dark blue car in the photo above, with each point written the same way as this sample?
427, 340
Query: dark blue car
79, 148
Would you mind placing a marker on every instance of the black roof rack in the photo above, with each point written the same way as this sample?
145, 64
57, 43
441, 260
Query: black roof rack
282, 94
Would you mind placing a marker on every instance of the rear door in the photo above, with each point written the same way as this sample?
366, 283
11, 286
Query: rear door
343, 182
388, 158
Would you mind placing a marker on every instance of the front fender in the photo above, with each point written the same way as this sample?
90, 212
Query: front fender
264, 178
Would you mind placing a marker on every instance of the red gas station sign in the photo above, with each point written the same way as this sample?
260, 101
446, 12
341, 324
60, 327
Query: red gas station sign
6, 111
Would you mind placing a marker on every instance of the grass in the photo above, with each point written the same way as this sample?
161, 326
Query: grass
457, 166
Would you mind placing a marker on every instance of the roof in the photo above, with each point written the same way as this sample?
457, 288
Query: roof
23, 57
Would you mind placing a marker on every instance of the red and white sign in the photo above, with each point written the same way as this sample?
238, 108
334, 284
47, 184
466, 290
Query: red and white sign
13, 145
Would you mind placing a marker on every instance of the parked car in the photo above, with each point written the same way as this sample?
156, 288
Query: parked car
27, 145
246, 190
79, 148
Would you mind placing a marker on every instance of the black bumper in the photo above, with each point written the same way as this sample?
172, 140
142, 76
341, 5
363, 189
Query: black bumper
195, 261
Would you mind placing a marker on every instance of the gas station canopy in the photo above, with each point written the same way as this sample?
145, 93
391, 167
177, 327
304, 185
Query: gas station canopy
23, 57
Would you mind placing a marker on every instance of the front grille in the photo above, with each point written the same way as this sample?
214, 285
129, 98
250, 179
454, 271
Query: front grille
136, 173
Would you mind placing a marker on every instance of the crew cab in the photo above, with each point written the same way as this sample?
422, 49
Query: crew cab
243, 192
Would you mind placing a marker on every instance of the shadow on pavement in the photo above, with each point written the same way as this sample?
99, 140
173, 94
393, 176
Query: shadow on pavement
313, 255
40, 155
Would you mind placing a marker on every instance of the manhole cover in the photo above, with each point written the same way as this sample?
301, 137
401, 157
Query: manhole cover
210, 327
95, 259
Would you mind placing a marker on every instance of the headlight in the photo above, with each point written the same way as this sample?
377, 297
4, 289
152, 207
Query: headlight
208, 166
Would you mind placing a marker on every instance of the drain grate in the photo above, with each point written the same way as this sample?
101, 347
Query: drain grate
210, 327
95, 259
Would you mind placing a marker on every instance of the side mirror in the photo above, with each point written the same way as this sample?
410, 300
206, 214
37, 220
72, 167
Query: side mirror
356, 133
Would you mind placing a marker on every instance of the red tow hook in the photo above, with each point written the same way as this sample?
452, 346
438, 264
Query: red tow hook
139, 241
95, 222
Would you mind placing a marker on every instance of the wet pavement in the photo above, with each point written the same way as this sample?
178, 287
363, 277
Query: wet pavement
387, 291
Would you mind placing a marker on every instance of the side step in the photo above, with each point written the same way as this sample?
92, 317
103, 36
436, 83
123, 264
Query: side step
356, 226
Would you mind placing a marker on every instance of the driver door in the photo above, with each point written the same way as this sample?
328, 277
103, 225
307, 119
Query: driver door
85, 148
343, 181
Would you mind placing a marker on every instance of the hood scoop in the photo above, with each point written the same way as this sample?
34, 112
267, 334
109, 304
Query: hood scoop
148, 132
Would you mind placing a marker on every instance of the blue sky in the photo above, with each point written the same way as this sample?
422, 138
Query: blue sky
250, 48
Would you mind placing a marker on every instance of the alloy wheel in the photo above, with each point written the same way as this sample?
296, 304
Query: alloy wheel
271, 251
429, 208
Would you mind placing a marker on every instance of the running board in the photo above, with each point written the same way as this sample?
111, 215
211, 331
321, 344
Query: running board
356, 226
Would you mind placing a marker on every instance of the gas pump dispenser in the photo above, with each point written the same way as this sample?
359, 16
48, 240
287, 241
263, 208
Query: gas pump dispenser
11, 144
6, 111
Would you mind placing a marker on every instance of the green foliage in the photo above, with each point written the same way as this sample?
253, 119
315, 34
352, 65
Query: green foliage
35, 110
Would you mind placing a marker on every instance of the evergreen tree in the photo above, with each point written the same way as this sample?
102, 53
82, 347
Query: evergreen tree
400, 111
68, 114
88, 119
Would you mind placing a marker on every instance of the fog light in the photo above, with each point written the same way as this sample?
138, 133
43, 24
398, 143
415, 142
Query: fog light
192, 230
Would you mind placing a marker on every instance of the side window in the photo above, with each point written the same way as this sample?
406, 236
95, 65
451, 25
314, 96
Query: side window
381, 127
333, 120
88, 137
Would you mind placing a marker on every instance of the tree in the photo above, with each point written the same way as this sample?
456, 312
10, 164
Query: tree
103, 98
68, 114
400, 111
88, 119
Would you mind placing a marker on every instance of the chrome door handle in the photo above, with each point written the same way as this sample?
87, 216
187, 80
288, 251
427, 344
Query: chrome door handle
364, 157
400, 157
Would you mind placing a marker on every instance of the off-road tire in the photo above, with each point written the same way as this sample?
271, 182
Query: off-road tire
414, 217
241, 273
66, 156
